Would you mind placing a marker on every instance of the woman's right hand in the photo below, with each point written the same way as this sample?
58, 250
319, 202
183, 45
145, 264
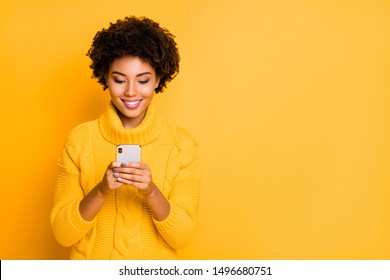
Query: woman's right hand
94, 200
110, 182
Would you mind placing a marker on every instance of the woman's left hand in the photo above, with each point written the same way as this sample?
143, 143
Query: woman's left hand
137, 175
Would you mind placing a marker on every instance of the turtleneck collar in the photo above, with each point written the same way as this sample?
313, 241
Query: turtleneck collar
113, 130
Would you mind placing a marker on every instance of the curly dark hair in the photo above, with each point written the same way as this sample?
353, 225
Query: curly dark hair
133, 36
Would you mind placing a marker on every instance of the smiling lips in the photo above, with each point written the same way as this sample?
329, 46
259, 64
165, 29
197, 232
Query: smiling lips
132, 104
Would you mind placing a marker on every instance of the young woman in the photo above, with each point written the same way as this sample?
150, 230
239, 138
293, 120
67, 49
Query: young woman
127, 210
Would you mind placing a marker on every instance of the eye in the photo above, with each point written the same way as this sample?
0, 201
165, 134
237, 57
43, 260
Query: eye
118, 81
143, 82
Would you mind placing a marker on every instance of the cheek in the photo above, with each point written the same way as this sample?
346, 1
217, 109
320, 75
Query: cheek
114, 90
148, 92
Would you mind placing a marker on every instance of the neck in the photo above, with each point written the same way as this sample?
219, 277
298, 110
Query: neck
117, 131
130, 122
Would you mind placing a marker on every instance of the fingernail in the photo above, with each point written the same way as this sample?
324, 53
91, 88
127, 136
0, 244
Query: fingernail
115, 169
123, 164
116, 174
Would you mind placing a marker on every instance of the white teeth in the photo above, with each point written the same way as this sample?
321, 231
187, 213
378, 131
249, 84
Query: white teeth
132, 103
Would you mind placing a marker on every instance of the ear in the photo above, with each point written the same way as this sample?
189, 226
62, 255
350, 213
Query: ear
157, 82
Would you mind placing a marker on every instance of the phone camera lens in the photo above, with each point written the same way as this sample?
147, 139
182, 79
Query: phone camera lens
120, 150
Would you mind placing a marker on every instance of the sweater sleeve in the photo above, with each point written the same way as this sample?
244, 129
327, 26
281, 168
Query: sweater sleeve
67, 224
177, 229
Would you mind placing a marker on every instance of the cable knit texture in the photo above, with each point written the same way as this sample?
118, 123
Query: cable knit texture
124, 227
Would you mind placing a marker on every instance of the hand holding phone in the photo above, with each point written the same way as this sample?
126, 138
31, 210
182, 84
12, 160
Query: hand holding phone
131, 170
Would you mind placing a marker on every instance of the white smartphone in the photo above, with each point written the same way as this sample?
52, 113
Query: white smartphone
128, 153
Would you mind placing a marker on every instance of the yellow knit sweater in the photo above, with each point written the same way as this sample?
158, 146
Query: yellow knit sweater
124, 228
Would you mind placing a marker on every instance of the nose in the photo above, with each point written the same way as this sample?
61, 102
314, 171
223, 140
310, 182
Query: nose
130, 90
130, 93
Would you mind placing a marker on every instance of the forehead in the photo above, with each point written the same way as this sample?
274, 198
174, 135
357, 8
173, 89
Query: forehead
131, 64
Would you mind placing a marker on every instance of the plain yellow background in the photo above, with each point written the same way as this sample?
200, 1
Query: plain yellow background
289, 100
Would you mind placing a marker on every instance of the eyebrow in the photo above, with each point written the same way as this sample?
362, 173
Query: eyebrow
138, 75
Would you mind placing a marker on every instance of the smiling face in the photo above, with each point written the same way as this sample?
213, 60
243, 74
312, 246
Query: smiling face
131, 83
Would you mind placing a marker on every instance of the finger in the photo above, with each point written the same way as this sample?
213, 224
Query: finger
124, 181
132, 178
126, 170
114, 164
137, 165
112, 182
138, 185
